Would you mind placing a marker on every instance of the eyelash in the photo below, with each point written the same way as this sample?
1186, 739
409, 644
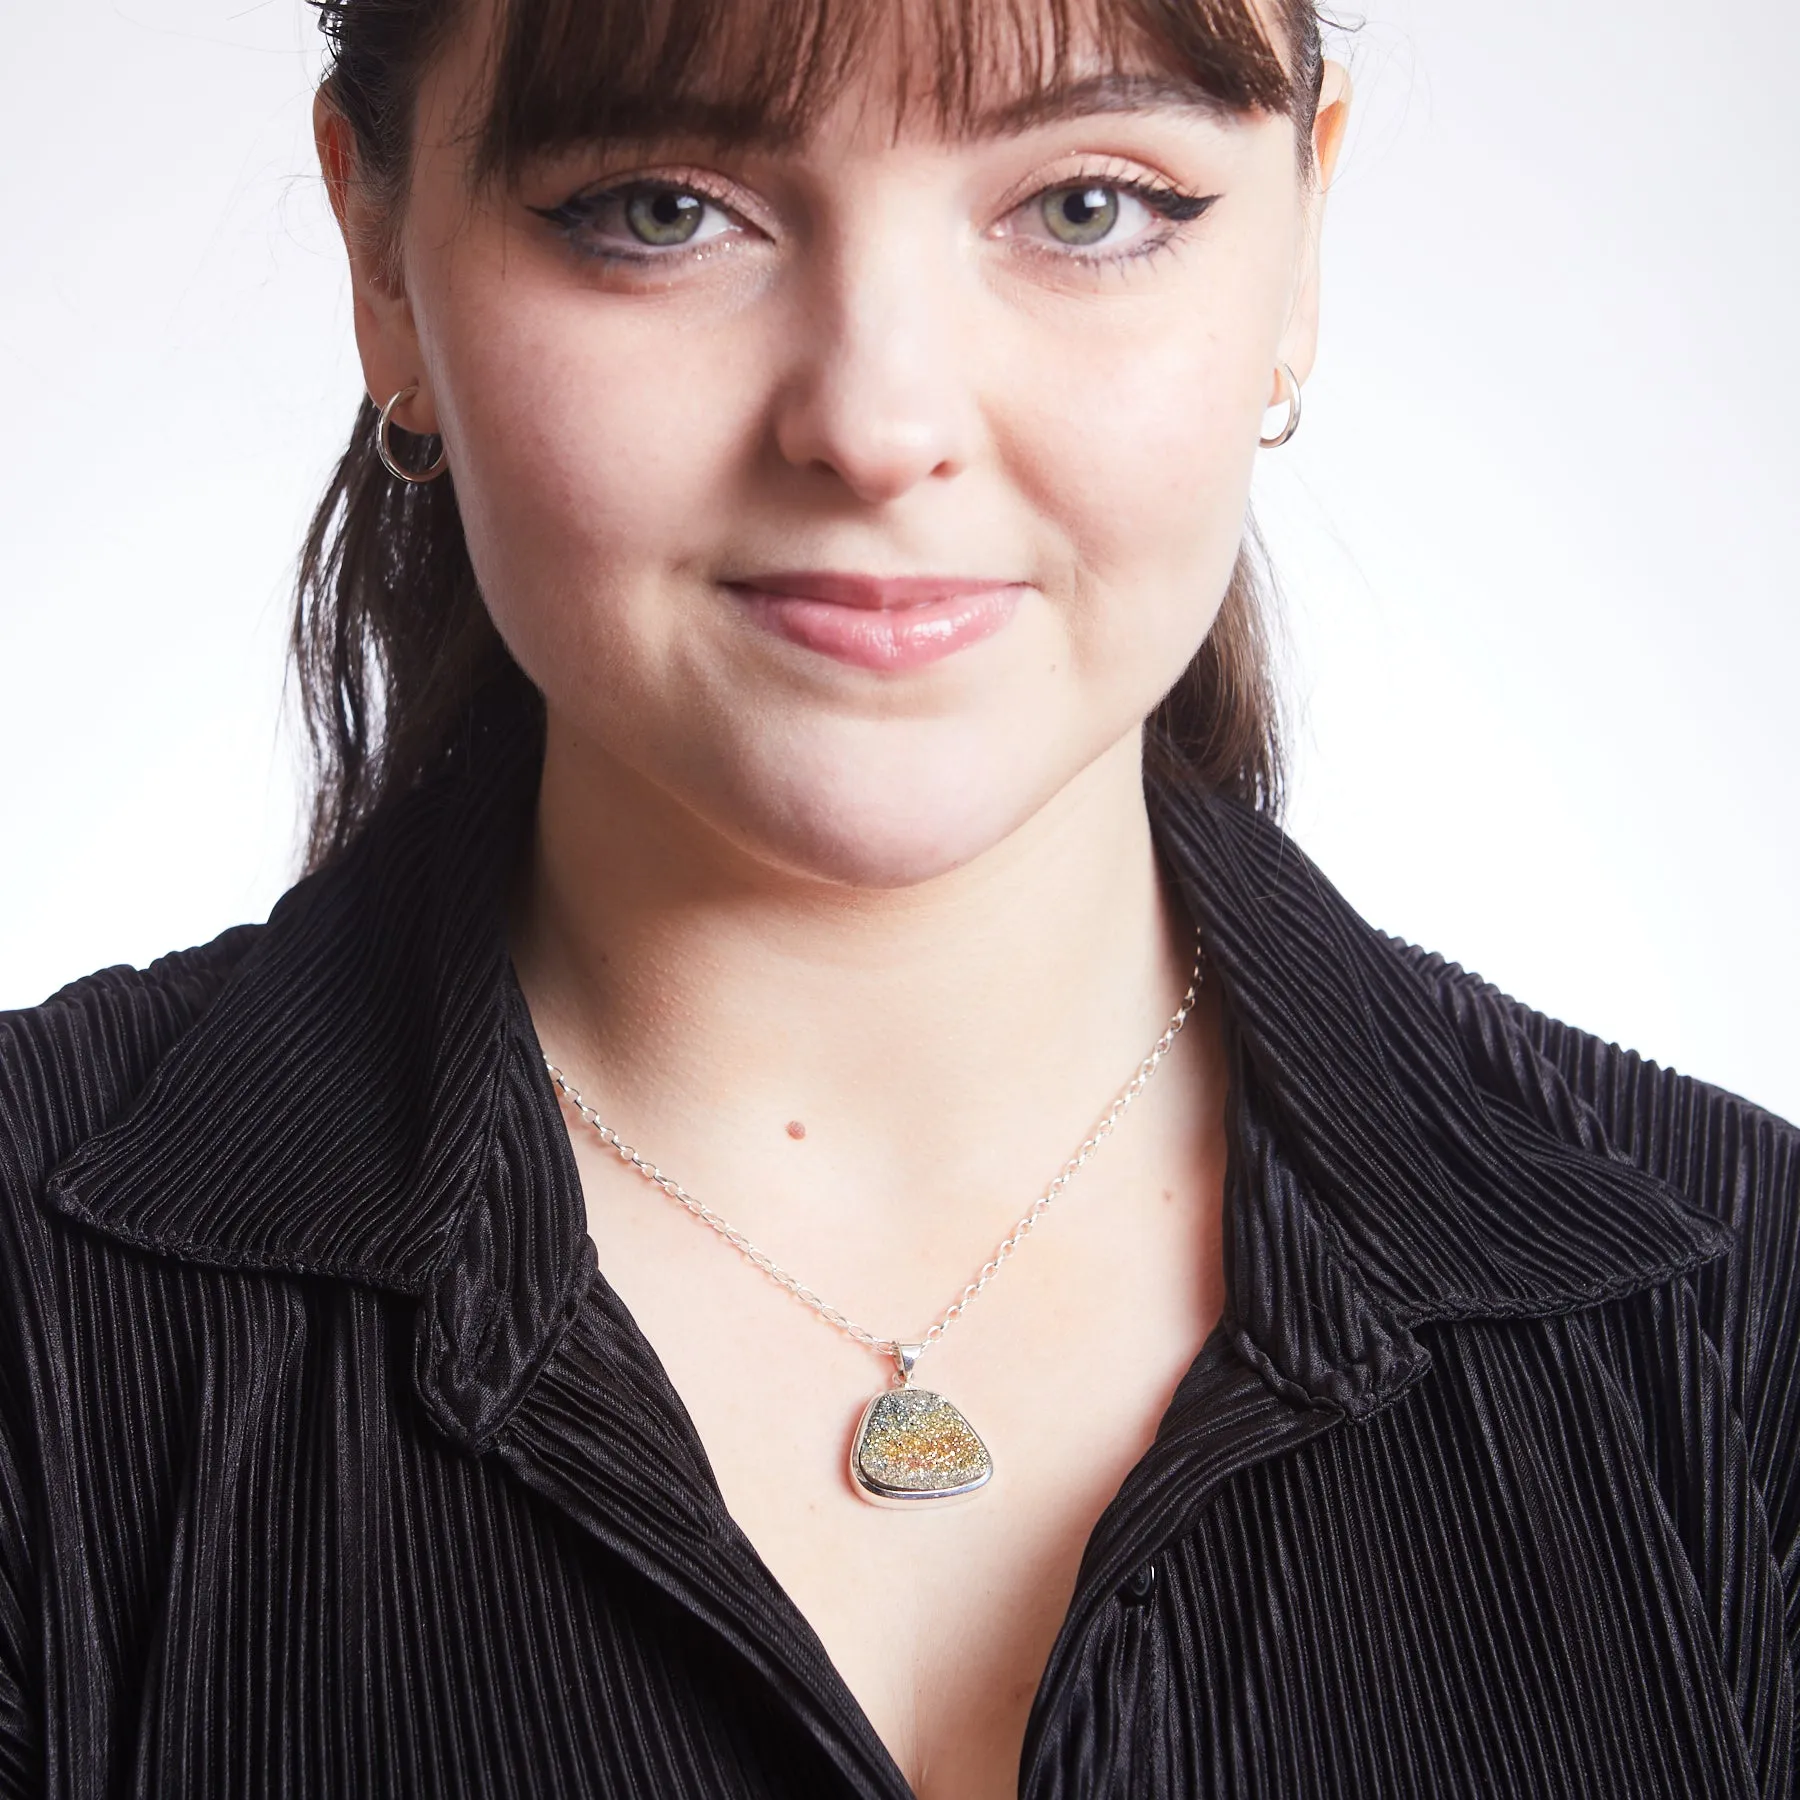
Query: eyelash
576, 215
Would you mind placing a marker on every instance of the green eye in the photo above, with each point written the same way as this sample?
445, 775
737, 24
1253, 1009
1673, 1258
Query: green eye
663, 216
1081, 215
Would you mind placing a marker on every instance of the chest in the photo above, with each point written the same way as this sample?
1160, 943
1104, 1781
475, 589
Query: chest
939, 1617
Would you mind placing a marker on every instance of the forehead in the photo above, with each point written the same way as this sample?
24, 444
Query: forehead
760, 74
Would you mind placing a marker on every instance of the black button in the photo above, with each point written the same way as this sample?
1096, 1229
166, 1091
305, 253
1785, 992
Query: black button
1140, 1584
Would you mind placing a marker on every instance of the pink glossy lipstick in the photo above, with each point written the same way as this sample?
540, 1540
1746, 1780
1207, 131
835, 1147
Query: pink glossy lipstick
893, 622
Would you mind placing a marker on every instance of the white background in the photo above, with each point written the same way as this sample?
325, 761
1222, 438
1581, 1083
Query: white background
1536, 530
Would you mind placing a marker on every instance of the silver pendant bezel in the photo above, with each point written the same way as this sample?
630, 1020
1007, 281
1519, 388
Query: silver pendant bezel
878, 1493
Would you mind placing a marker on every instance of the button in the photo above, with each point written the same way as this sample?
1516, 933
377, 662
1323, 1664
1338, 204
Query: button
1139, 1585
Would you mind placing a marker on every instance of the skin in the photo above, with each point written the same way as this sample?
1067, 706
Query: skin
916, 911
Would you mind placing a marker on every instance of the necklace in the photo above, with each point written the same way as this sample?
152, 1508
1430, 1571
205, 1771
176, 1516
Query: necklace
911, 1446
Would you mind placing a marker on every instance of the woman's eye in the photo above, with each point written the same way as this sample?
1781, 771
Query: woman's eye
1084, 215
665, 216
640, 221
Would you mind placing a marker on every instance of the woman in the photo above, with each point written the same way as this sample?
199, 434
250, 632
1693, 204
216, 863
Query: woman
797, 758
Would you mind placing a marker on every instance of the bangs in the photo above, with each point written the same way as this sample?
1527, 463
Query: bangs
757, 74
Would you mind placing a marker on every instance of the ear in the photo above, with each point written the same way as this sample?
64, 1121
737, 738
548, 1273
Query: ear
1300, 338
386, 338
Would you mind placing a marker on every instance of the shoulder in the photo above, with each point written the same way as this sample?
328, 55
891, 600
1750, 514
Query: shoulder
75, 1065
1727, 1157
1720, 1151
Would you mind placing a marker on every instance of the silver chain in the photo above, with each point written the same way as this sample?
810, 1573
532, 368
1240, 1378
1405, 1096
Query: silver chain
988, 1270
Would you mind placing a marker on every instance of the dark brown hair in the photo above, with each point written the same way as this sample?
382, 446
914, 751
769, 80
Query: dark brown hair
392, 643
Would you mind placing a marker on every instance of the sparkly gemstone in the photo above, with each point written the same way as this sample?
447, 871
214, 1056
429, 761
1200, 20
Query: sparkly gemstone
913, 1445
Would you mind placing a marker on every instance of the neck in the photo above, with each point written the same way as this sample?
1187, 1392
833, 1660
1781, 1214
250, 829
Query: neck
706, 1002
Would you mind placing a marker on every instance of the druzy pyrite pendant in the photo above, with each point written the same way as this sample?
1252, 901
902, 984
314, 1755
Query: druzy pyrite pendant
913, 1448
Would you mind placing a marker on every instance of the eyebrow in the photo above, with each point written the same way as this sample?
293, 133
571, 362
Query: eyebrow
725, 124
1112, 92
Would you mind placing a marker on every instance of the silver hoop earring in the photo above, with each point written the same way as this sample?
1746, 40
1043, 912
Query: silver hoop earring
385, 451
1293, 418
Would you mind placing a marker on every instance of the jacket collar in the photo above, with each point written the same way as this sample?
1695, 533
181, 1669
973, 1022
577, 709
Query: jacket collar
365, 1100
1388, 1166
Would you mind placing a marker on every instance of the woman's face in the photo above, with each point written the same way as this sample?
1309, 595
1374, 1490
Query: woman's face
676, 384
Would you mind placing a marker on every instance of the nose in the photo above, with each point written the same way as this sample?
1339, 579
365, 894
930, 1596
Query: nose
876, 393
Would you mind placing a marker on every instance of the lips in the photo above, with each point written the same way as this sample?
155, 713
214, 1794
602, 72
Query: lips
873, 593
893, 622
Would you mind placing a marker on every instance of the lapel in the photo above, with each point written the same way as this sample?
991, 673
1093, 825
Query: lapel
1377, 1180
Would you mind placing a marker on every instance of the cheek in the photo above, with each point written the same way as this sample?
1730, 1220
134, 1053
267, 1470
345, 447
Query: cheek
1151, 456
1142, 455
588, 457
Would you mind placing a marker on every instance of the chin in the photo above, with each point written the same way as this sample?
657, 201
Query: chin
887, 828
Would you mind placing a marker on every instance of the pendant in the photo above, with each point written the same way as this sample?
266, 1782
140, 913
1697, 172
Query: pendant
913, 1448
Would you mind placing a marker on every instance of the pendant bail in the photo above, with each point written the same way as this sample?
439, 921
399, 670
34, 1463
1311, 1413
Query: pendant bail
905, 1356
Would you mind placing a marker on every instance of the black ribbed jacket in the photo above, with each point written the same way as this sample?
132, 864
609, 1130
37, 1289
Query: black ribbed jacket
330, 1465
